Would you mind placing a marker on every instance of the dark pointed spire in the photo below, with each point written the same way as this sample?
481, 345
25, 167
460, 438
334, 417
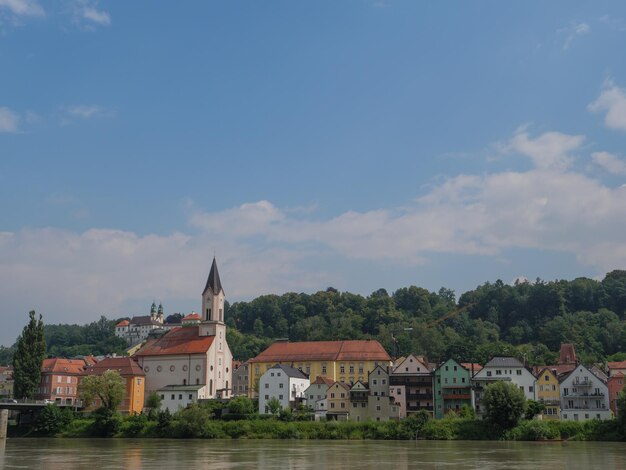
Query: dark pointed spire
213, 282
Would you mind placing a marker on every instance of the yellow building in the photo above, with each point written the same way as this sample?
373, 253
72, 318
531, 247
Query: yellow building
341, 361
132, 374
338, 401
548, 393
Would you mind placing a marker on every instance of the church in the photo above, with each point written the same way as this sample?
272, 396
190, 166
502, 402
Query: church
192, 362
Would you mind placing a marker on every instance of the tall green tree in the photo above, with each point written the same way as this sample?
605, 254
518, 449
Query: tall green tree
109, 388
504, 404
29, 354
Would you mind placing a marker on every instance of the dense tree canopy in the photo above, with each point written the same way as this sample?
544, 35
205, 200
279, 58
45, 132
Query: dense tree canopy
29, 354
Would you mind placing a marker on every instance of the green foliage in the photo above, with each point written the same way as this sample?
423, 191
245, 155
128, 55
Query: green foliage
504, 404
107, 423
29, 354
535, 431
274, 406
533, 408
52, 420
241, 406
97, 338
109, 388
621, 409
153, 402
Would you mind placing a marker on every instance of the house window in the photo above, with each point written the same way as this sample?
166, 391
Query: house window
267, 397
360, 368
280, 397
281, 385
267, 385
488, 373
173, 396
332, 404
342, 369
519, 372
498, 372
351, 368
399, 391
323, 368
190, 396
342, 405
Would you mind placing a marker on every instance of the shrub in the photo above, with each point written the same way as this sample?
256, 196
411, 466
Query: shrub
504, 404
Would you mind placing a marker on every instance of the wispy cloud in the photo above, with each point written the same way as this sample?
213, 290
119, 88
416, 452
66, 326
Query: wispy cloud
22, 7
612, 99
573, 31
87, 15
609, 162
612, 22
9, 121
84, 112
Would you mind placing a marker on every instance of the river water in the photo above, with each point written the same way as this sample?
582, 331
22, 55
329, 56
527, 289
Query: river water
99, 454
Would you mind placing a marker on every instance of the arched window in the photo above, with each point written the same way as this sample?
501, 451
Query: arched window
184, 381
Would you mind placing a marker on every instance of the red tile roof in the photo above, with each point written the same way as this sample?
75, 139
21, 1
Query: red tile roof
123, 323
124, 365
617, 365
184, 340
192, 316
472, 367
323, 380
357, 350
63, 366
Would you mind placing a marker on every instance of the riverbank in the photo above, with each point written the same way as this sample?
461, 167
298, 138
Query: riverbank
197, 422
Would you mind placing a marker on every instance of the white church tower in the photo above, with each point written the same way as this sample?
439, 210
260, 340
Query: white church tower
213, 305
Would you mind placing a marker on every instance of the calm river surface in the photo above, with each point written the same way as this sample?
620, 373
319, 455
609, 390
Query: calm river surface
99, 454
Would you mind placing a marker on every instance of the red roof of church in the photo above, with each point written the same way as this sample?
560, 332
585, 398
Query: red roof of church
123, 323
124, 365
192, 316
357, 350
178, 341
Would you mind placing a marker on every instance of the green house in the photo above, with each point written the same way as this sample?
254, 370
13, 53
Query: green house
453, 387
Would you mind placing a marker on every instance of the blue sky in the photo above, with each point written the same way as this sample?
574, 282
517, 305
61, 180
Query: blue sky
356, 144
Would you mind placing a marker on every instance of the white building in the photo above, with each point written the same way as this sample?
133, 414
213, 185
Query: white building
284, 383
315, 396
584, 396
195, 355
503, 369
139, 327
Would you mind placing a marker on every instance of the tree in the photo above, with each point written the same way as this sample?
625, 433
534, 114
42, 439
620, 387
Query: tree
504, 404
533, 408
274, 406
154, 401
109, 388
241, 405
28, 358
621, 408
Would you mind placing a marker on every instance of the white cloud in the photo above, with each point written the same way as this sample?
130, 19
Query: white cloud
87, 15
612, 99
84, 111
615, 23
548, 208
572, 31
97, 16
9, 121
550, 150
609, 162
22, 7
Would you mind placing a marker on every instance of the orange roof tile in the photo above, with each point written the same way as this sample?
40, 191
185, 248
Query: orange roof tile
177, 341
124, 365
617, 365
63, 366
123, 323
192, 316
356, 350
468, 365
323, 380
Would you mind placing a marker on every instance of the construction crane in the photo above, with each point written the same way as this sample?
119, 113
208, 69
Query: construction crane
448, 315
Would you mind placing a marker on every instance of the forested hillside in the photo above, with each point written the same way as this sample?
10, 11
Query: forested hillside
529, 320
526, 319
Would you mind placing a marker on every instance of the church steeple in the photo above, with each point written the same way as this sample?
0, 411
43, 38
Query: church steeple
213, 282
213, 297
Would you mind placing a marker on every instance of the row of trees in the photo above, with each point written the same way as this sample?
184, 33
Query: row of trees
529, 319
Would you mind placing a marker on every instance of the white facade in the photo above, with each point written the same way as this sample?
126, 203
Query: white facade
584, 396
174, 398
314, 394
505, 369
284, 383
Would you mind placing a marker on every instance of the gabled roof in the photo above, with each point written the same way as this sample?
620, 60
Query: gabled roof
341, 384
412, 363
501, 361
126, 366
358, 385
178, 341
144, 320
356, 350
557, 369
192, 317
541, 370
58, 365
289, 371
617, 375
322, 381
213, 282
471, 366
123, 323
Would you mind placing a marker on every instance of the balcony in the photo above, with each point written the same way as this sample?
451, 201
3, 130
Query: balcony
583, 395
590, 408
450, 396
419, 396
550, 402
582, 383
417, 408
